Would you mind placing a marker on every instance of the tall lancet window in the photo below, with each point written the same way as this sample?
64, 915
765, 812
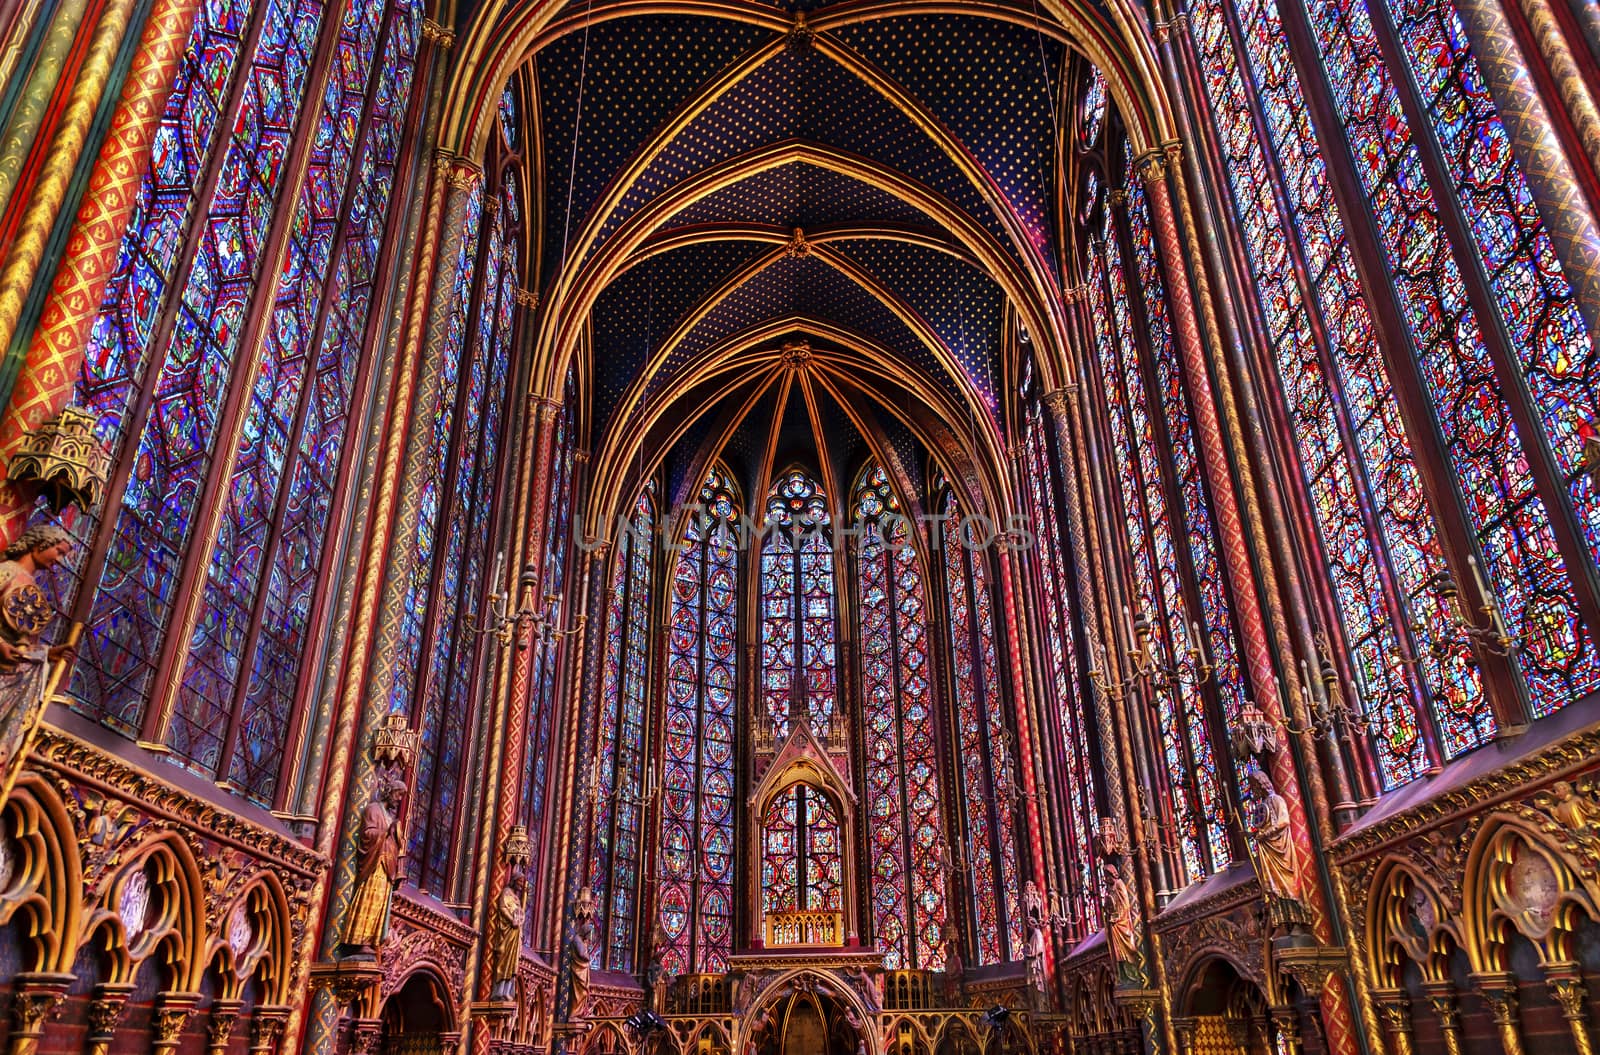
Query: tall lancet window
1486, 333
798, 614
227, 367
1072, 714
1159, 545
985, 745
619, 751
696, 849
904, 818
802, 857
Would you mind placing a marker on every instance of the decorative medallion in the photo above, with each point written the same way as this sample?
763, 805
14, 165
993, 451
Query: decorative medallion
26, 611
241, 931
133, 905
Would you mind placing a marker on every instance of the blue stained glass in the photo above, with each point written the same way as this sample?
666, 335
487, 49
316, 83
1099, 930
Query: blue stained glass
153, 525
614, 852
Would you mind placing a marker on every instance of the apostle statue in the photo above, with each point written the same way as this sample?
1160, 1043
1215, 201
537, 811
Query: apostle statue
1277, 865
377, 869
1120, 936
24, 615
505, 938
1033, 917
581, 947
657, 975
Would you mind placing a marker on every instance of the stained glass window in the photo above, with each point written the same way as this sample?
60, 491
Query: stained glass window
547, 661
695, 892
990, 781
1093, 116
1075, 773
904, 816
1190, 792
802, 856
1353, 449
798, 617
1533, 305
164, 359
619, 750
451, 652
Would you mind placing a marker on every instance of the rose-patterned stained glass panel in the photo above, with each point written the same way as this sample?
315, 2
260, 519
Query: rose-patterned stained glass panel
904, 814
989, 781
618, 774
798, 606
695, 887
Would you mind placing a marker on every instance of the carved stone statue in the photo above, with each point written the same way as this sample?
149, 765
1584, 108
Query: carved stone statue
581, 947
1572, 809
1033, 916
657, 975
24, 615
1120, 937
954, 969
1277, 865
377, 870
505, 939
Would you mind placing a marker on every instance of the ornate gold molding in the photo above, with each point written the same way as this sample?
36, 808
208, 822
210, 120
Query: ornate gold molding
437, 35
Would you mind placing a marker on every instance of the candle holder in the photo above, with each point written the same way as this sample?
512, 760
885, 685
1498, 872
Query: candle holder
504, 625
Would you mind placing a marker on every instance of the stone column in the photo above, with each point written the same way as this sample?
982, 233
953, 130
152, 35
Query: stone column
1565, 980
171, 1014
1499, 991
1539, 151
1442, 998
105, 1011
48, 376
50, 186
35, 1000
1395, 1011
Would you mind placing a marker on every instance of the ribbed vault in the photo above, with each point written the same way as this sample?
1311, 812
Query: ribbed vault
719, 181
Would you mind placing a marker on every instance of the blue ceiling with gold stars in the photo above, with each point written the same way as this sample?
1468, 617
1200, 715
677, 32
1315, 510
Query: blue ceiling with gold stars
871, 179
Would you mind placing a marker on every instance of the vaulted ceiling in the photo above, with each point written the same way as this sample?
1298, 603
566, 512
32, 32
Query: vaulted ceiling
791, 226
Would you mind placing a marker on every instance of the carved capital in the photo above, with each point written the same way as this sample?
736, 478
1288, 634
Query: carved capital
219, 1027
437, 35
1442, 1000
1058, 401
1151, 165
167, 1020
1499, 991
1565, 980
1117, 197
266, 1029
37, 998
105, 1009
1286, 1023
366, 1036
1395, 1009
525, 298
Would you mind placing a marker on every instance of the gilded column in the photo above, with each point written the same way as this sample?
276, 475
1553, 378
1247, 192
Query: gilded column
46, 380
1551, 41
533, 497
1442, 999
1396, 1012
359, 711
1539, 151
589, 673
1338, 1016
1565, 980
1499, 991
49, 190
43, 80
34, 1001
